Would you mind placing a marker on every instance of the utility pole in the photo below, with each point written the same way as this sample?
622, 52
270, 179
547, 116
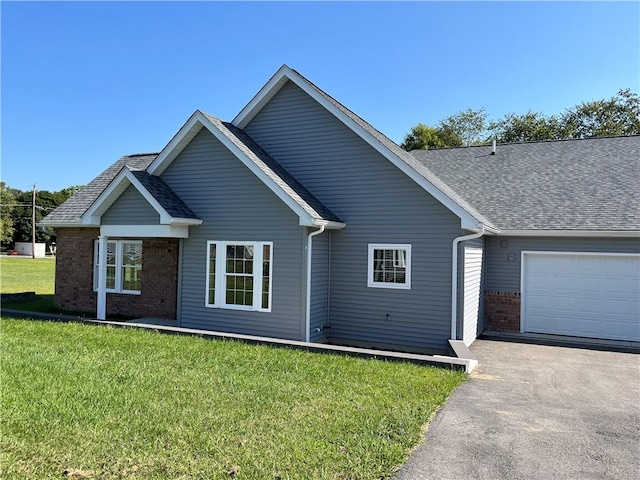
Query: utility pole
33, 223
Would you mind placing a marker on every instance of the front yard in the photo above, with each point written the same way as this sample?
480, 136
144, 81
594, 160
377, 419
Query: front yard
37, 275
99, 402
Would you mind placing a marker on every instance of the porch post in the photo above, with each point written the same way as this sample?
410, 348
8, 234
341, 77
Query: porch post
102, 277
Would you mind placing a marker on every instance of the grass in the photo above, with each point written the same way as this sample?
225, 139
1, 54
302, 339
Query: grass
29, 275
108, 403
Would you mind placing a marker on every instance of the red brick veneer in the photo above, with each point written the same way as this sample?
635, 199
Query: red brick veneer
502, 311
74, 277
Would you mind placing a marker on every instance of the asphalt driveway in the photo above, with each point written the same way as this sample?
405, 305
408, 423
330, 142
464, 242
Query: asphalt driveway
537, 412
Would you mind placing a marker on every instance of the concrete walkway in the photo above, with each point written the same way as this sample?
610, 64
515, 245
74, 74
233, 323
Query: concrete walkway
537, 412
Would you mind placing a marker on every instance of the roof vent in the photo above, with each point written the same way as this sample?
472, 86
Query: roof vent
493, 147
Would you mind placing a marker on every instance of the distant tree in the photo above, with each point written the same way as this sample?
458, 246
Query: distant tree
7, 204
46, 202
619, 115
469, 125
423, 137
531, 126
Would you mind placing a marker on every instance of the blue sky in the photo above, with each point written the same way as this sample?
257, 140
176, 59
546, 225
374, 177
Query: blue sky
85, 83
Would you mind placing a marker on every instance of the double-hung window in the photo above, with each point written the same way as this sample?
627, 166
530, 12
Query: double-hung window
389, 266
124, 266
239, 275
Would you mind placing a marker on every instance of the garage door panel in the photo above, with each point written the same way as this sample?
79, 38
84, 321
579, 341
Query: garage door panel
588, 295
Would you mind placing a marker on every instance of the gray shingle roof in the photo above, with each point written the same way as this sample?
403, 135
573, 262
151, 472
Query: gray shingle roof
589, 184
166, 197
274, 170
71, 210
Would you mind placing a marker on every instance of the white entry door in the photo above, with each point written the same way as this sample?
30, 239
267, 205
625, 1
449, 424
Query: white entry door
581, 294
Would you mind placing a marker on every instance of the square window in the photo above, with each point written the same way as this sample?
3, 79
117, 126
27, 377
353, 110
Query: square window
389, 266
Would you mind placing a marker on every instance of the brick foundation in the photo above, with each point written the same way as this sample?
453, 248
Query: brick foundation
74, 277
502, 311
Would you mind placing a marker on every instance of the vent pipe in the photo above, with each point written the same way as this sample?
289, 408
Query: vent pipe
493, 147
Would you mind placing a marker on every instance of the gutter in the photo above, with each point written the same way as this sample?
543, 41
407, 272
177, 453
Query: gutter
454, 278
307, 319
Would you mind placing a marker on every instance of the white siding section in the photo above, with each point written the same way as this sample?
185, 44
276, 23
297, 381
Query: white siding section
473, 260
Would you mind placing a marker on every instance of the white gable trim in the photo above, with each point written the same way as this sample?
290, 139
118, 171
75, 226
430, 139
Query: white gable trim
116, 188
285, 73
190, 129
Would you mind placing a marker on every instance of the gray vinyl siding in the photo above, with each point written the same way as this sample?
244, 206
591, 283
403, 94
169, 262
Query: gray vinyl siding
379, 205
319, 286
131, 208
235, 206
472, 295
503, 275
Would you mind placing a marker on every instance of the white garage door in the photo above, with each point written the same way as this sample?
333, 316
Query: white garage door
585, 295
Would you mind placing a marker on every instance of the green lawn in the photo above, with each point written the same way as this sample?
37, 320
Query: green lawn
29, 275
107, 403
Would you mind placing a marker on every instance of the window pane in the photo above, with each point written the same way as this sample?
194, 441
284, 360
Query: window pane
266, 268
111, 277
212, 274
389, 265
111, 253
132, 266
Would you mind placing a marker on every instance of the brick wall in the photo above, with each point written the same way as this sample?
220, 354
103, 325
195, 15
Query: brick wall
502, 311
74, 270
74, 277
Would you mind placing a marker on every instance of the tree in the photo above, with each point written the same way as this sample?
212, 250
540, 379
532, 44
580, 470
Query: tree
530, 127
619, 115
462, 129
21, 213
423, 137
469, 125
7, 204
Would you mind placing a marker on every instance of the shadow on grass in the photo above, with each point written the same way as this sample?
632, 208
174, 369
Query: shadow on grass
33, 303
44, 304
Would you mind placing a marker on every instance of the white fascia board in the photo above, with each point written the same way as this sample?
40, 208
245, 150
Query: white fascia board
116, 188
145, 231
467, 221
180, 140
185, 221
571, 233
329, 225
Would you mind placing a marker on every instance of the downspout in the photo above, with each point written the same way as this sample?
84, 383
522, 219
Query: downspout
308, 305
454, 279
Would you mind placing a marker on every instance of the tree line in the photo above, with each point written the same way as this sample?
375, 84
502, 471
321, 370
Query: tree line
16, 208
616, 116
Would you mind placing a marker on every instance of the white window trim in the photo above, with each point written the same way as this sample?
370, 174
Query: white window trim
119, 265
389, 246
221, 274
